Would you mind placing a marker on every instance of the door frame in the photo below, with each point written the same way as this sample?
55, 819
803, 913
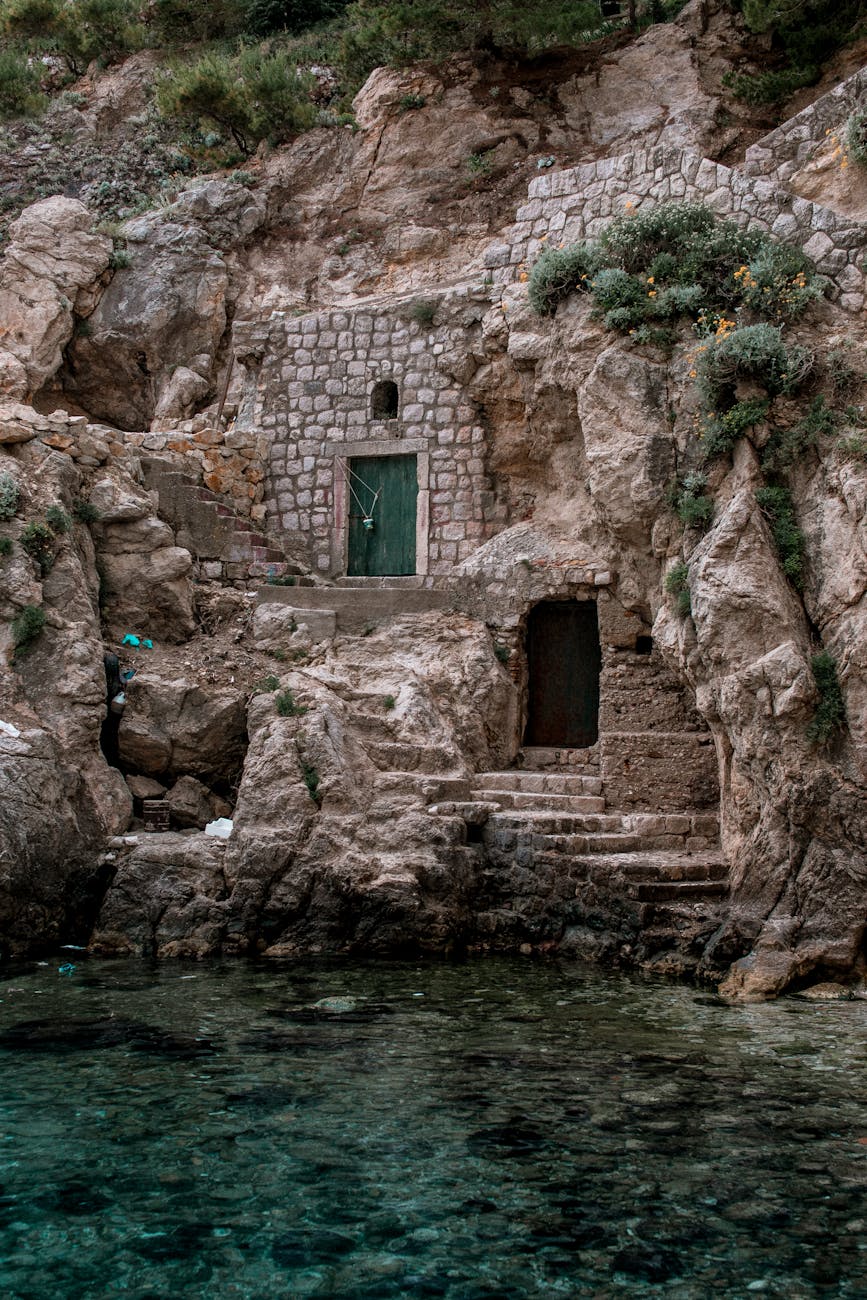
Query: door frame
343, 453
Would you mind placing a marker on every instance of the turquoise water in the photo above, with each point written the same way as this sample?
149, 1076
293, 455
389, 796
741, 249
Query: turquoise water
491, 1129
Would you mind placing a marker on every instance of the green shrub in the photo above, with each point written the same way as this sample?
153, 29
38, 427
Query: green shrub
478, 165
265, 16
755, 352
855, 137
693, 506
787, 446
677, 585
830, 715
27, 626
38, 541
268, 684
778, 282
677, 259
759, 88
408, 103
5, 546
252, 96
843, 374
423, 311
10, 495
388, 702
286, 706
58, 520
720, 432
559, 271
120, 258
778, 509
79, 31
84, 512
502, 652
311, 779
20, 94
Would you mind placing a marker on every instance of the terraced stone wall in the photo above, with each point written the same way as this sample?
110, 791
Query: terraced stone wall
575, 204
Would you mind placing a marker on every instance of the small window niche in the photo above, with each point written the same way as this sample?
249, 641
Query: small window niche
644, 645
383, 400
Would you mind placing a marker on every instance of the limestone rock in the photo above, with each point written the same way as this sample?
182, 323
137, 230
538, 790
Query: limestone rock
191, 803
180, 728
158, 325
53, 257
145, 787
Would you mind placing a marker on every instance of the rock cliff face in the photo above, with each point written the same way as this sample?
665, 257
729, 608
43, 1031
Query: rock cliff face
357, 748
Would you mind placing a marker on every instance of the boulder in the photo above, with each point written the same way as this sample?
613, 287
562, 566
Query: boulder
54, 257
177, 727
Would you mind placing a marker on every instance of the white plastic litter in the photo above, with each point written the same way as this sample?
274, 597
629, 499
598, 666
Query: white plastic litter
8, 729
222, 827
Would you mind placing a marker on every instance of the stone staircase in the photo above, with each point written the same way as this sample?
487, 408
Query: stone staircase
558, 862
412, 771
227, 546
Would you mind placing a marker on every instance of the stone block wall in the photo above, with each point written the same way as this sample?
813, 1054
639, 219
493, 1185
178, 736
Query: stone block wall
571, 205
309, 391
782, 152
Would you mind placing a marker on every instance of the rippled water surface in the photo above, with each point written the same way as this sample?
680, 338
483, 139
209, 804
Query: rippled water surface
491, 1129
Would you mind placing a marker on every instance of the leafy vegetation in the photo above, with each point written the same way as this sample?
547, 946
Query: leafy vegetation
787, 446
5, 546
719, 433
830, 715
676, 260
677, 585
57, 519
693, 506
287, 706
252, 96
754, 352
803, 35
84, 512
855, 137
20, 91
27, 626
10, 495
37, 540
778, 508
311, 778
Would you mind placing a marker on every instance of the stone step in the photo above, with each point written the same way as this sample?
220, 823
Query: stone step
475, 812
566, 803
432, 787
680, 891
538, 782
392, 756
557, 824
580, 761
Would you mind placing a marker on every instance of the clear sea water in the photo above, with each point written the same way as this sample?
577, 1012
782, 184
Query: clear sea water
496, 1128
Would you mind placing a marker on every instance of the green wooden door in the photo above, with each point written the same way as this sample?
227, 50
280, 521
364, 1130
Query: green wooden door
382, 489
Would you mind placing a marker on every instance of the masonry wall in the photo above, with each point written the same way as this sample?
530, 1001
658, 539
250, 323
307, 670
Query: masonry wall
310, 387
780, 153
575, 204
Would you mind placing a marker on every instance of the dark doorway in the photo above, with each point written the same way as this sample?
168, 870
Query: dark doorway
383, 400
382, 512
563, 660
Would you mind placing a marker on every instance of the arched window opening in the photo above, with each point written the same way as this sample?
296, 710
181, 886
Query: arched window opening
383, 401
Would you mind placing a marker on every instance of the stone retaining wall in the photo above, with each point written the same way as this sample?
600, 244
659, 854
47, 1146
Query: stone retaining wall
778, 155
576, 204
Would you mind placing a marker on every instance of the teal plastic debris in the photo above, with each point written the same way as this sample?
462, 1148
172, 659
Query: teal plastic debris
129, 639
66, 969
137, 642
147, 643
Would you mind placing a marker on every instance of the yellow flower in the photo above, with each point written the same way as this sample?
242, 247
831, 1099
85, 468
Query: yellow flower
651, 280
523, 277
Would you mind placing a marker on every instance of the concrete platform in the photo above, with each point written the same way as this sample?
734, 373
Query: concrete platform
357, 607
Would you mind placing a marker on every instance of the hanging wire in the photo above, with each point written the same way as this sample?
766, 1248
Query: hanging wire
366, 515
